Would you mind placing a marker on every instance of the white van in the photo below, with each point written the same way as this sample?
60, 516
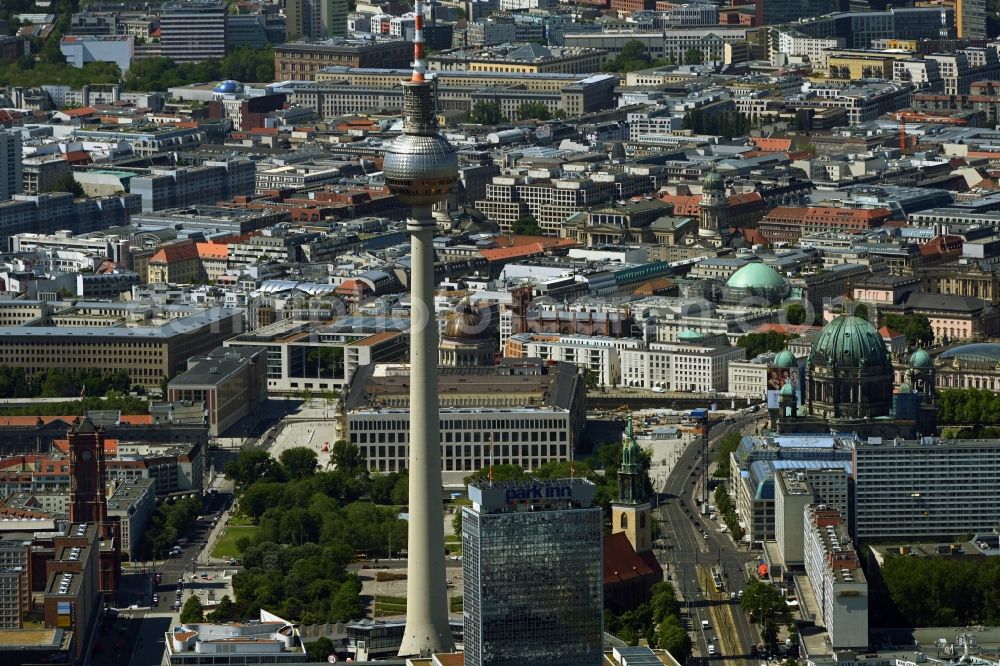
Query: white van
711, 649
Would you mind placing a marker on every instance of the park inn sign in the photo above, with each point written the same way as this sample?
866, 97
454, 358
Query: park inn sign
505, 494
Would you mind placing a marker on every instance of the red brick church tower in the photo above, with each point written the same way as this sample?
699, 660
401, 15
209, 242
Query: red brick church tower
88, 501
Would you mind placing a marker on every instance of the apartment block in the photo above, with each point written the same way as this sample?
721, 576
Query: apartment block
838, 583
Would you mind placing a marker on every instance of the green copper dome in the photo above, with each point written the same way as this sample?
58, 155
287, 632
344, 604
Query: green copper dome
788, 390
785, 359
921, 360
756, 276
689, 335
713, 180
849, 342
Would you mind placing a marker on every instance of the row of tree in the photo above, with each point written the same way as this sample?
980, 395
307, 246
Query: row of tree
758, 343
242, 64
169, 522
940, 591
973, 407
657, 622
61, 382
724, 505
727, 445
490, 113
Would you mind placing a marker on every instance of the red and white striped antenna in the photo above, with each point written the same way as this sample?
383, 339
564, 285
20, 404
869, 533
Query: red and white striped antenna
419, 63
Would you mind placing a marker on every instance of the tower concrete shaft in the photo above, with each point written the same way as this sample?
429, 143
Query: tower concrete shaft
420, 168
427, 628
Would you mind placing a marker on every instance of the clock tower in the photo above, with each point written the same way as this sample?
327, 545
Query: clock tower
88, 503
88, 500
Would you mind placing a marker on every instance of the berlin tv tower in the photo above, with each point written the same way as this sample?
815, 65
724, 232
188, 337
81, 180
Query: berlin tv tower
420, 168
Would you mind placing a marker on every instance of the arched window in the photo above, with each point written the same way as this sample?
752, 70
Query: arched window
624, 521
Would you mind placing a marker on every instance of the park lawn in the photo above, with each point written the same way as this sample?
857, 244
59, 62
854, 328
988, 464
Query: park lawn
386, 605
226, 547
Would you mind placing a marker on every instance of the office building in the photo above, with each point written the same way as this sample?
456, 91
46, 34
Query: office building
206, 184
148, 349
523, 412
323, 356
835, 576
15, 582
689, 365
926, 488
532, 563
193, 30
71, 596
81, 49
10, 164
315, 19
823, 458
230, 381
300, 61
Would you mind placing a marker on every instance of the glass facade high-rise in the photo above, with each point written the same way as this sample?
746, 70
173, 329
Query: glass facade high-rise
532, 561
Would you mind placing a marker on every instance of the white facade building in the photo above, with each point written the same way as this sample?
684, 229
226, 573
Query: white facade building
599, 355
81, 49
748, 379
795, 43
679, 367
835, 575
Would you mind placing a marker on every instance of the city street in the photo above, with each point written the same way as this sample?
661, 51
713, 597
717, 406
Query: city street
689, 556
136, 638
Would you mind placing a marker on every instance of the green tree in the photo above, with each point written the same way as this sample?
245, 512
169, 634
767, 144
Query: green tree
252, 465
765, 602
347, 457
672, 637
758, 343
504, 472
298, 462
916, 328
861, 310
795, 313
192, 612
346, 603
51, 54
694, 56
224, 611
319, 649
727, 446
526, 226
533, 111
633, 56
485, 113
68, 183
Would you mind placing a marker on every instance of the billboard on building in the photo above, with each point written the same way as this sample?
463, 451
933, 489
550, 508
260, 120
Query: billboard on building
776, 379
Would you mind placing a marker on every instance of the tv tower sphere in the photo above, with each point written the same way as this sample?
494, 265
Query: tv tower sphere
420, 166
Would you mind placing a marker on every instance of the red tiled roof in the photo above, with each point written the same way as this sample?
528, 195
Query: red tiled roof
774, 145
110, 446
175, 253
792, 329
887, 332
212, 250
80, 112
534, 247
622, 563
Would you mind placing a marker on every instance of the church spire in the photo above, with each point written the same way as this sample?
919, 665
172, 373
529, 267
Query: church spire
630, 486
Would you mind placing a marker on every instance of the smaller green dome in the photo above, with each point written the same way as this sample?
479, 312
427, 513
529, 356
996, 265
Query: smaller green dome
921, 359
785, 359
689, 335
713, 180
788, 390
756, 276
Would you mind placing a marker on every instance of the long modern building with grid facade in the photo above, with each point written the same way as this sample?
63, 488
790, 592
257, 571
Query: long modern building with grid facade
524, 412
533, 568
912, 489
